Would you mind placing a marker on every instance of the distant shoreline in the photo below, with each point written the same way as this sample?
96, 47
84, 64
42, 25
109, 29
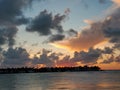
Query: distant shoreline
48, 69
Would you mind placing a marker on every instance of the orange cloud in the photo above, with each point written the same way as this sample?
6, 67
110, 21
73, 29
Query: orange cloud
89, 37
88, 21
116, 2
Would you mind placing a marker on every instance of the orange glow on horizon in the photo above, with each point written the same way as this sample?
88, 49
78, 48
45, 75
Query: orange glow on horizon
40, 66
111, 66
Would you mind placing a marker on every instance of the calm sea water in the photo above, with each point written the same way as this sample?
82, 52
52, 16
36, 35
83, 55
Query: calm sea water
103, 80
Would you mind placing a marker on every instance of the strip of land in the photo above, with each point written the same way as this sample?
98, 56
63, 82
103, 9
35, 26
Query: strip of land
48, 69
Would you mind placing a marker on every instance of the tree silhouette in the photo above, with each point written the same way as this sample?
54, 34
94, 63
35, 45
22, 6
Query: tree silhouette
48, 69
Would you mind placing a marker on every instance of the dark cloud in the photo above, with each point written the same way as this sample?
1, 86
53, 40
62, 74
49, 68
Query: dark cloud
47, 58
72, 32
111, 27
102, 1
111, 59
117, 59
45, 51
15, 57
41, 23
44, 22
11, 15
91, 56
11, 11
19, 57
22, 20
7, 35
117, 46
1, 49
57, 37
66, 62
1, 56
107, 50
43, 59
54, 56
113, 34
56, 24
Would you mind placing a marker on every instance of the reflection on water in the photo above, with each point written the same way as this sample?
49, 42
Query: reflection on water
104, 80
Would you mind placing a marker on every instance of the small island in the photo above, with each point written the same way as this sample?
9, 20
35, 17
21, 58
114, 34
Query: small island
48, 69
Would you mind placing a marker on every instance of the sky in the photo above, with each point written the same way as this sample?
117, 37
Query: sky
59, 33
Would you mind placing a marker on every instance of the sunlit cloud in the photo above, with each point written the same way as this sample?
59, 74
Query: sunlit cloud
116, 2
88, 21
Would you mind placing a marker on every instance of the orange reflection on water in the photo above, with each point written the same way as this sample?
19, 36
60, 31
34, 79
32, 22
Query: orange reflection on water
107, 85
62, 84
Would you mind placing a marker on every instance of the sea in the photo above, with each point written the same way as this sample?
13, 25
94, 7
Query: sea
88, 80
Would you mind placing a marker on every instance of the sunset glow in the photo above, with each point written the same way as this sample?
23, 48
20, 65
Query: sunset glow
60, 33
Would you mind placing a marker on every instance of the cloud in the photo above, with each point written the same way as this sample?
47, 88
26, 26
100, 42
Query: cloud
88, 21
86, 57
116, 2
7, 35
113, 34
1, 55
34, 44
47, 58
91, 56
57, 37
84, 40
43, 59
15, 57
11, 15
72, 32
108, 61
113, 28
107, 29
102, 1
11, 11
45, 51
107, 50
67, 11
117, 46
54, 56
22, 20
19, 57
45, 22
117, 59
65, 62
112, 59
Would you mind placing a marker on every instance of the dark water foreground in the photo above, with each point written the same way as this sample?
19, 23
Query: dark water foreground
103, 80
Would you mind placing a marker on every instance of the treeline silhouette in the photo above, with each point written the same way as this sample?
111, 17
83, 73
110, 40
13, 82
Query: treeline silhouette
48, 69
